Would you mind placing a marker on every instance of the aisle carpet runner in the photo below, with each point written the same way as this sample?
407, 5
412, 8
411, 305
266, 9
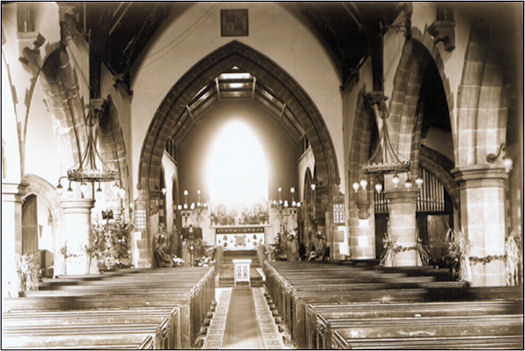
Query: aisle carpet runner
247, 325
218, 322
242, 330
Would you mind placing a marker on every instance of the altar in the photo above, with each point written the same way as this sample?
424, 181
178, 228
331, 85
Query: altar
240, 237
240, 229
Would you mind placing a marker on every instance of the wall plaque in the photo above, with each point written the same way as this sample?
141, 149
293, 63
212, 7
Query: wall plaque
234, 23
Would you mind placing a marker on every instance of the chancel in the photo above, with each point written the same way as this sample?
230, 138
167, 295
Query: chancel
262, 175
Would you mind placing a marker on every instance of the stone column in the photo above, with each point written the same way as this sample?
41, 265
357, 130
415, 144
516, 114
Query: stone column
362, 225
11, 236
482, 194
77, 218
402, 224
141, 248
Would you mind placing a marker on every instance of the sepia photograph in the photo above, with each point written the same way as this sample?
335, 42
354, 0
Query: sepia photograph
262, 175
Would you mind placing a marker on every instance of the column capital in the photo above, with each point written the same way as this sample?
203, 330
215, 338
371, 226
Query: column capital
480, 176
13, 191
77, 205
402, 195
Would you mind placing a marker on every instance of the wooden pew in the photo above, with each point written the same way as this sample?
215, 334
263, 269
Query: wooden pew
167, 319
320, 318
456, 332
100, 335
292, 299
193, 301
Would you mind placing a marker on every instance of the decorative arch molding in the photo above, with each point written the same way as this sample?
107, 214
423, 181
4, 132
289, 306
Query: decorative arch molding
406, 113
112, 145
41, 187
44, 190
440, 166
435, 50
482, 101
360, 144
167, 118
60, 83
405, 96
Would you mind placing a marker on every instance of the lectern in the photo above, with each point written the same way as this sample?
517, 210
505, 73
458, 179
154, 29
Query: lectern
241, 271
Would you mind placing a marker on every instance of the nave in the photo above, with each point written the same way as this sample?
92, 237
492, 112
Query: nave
339, 305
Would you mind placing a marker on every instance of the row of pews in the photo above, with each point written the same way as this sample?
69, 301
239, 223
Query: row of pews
344, 306
133, 309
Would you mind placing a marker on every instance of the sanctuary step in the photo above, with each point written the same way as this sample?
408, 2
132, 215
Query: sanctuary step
226, 278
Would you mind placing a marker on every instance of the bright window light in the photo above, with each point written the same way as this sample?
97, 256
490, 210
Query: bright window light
236, 169
235, 76
235, 85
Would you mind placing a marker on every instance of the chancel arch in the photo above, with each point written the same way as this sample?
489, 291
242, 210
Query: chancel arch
174, 116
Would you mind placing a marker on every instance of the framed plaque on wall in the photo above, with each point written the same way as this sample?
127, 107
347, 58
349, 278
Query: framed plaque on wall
234, 23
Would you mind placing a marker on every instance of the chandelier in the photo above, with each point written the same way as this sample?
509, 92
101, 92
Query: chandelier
280, 204
389, 163
86, 170
199, 206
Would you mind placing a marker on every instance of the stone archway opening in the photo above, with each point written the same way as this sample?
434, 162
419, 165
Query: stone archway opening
271, 86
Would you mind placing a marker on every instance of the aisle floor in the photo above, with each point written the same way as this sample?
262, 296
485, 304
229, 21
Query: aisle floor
242, 320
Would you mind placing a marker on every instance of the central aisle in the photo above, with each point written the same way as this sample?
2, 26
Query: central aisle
243, 320
242, 330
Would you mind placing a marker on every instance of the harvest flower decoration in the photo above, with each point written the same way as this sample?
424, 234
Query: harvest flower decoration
458, 250
514, 261
27, 270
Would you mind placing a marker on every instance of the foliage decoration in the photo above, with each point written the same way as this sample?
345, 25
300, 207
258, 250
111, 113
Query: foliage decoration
110, 244
28, 271
458, 253
486, 259
389, 247
514, 261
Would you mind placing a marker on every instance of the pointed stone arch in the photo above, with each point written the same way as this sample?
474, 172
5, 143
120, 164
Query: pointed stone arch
167, 118
61, 86
406, 115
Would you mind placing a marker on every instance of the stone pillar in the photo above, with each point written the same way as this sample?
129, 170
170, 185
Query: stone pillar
11, 236
141, 248
402, 224
482, 194
362, 226
77, 218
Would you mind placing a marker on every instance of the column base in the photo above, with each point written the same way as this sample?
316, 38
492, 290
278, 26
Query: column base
488, 274
77, 217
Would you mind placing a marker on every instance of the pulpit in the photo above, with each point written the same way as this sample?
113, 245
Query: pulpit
241, 271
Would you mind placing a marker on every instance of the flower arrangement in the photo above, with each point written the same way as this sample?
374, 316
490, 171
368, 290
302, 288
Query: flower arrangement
253, 215
389, 247
458, 253
28, 271
205, 261
514, 259
110, 244
178, 261
64, 251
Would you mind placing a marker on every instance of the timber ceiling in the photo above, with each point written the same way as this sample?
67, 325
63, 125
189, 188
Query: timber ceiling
120, 32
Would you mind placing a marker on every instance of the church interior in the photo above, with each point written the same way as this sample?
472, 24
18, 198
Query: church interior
262, 175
